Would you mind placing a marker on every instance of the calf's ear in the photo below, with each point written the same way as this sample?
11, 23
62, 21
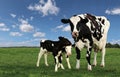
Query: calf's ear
60, 38
65, 21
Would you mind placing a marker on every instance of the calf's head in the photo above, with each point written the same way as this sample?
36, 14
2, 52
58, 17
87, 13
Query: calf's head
66, 44
75, 22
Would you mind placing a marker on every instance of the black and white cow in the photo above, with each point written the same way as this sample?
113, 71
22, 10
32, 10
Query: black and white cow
56, 47
90, 31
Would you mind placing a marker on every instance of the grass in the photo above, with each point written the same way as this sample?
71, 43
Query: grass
21, 62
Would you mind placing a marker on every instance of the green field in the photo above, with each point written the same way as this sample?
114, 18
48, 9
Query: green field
21, 62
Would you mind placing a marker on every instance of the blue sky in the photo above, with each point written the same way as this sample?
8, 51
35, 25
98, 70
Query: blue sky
26, 22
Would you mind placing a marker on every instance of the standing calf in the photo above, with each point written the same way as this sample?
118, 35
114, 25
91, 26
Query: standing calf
56, 48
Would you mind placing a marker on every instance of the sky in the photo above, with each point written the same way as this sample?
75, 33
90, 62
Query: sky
26, 22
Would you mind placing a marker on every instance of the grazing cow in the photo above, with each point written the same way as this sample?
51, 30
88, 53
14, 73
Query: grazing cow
90, 31
56, 47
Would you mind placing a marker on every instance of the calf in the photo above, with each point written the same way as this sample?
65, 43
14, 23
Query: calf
56, 47
90, 31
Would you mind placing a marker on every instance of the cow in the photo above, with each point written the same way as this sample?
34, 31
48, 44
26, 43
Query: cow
90, 31
56, 47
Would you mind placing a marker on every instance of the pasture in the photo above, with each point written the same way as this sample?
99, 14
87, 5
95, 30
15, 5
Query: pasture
21, 62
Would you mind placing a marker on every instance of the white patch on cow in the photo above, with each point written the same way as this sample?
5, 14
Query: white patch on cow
75, 20
42, 40
89, 67
68, 50
79, 44
87, 55
59, 53
52, 44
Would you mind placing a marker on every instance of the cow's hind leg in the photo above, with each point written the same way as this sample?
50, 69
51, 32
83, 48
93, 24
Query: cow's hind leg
42, 51
95, 57
103, 58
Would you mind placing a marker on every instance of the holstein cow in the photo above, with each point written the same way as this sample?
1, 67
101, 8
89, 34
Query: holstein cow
90, 31
56, 47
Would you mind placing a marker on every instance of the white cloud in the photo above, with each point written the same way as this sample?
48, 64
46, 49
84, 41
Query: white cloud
114, 11
66, 29
39, 34
3, 27
13, 15
15, 34
62, 28
115, 41
25, 26
31, 18
46, 8
59, 27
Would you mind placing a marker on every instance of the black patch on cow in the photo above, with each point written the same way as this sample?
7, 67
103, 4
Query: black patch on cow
84, 21
103, 21
99, 19
97, 26
84, 32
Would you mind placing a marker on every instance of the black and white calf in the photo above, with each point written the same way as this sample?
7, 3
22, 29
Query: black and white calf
56, 47
90, 31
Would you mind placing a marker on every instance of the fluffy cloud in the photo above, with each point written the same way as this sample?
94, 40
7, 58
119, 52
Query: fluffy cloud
13, 15
115, 41
62, 28
3, 27
15, 34
115, 11
66, 28
39, 34
25, 26
46, 8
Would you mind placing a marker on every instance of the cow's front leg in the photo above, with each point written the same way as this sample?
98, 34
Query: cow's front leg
88, 55
77, 58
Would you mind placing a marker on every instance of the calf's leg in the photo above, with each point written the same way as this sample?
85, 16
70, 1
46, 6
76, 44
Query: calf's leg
45, 57
68, 62
42, 51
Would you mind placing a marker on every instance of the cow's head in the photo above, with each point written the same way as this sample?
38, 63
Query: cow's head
75, 22
67, 45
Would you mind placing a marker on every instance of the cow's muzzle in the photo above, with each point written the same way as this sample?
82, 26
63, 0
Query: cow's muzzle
74, 34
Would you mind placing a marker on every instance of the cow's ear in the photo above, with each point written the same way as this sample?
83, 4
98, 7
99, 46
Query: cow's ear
65, 21
60, 38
